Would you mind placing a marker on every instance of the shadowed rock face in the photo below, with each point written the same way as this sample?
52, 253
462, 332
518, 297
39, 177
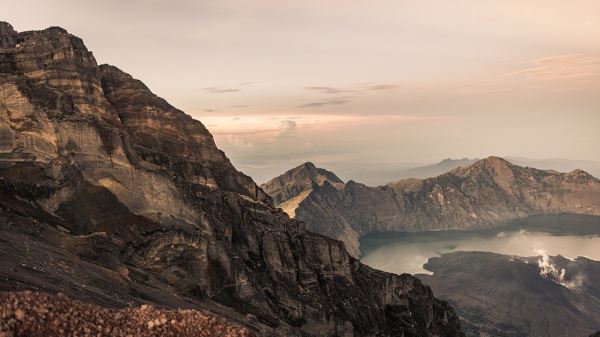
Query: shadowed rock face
488, 193
110, 195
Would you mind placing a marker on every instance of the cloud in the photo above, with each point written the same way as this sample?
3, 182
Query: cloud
239, 106
221, 90
241, 143
324, 103
329, 90
286, 127
226, 90
380, 87
360, 88
561, 67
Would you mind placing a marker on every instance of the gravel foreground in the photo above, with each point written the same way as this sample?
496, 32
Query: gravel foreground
32, 315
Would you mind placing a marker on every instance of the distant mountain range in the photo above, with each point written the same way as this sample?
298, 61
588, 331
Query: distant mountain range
556, 164
381, 173
486, 193
507, 296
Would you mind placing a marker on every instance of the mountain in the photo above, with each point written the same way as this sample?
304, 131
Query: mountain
111, 196
511, 296
289, 189
559, 164
436, 169
487, 193
556, 164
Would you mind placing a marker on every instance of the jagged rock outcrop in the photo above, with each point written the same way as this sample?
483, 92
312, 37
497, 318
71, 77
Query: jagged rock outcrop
108, 194
488, 193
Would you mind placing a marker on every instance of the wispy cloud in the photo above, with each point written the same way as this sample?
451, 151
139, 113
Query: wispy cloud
267, 126
286, 127
221, 90
360, 88
330, 90
228, 89
561, 67
380, 87
324, 103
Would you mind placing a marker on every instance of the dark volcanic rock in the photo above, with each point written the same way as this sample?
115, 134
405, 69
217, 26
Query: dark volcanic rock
488, 193
517, 297
110, 195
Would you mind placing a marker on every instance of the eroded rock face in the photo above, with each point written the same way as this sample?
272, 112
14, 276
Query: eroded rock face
485, 194
109, 194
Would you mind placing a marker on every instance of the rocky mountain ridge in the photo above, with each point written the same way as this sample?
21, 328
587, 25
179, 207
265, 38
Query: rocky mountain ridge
110, 195
487, 193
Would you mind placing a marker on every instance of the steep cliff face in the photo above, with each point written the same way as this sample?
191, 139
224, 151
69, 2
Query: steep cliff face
488, 193
110, 195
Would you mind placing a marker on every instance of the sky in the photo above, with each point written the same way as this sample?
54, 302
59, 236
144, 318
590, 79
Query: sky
356, 86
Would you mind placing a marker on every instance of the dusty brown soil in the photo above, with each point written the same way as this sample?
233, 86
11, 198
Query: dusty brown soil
30, 314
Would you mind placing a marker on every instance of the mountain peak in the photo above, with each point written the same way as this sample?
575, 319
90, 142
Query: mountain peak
306, 166
495, 160
491, 163
298, 180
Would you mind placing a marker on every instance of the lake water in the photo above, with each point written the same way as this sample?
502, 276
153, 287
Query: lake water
407, 252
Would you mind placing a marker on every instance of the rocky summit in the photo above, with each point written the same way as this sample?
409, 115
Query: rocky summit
113, 197
487, 193
289, 189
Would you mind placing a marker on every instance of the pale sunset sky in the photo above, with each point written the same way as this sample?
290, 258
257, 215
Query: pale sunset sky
355, 84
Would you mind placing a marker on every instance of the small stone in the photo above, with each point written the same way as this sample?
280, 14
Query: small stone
19, 314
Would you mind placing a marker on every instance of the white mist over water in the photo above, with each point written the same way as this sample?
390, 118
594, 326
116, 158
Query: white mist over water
407, 254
